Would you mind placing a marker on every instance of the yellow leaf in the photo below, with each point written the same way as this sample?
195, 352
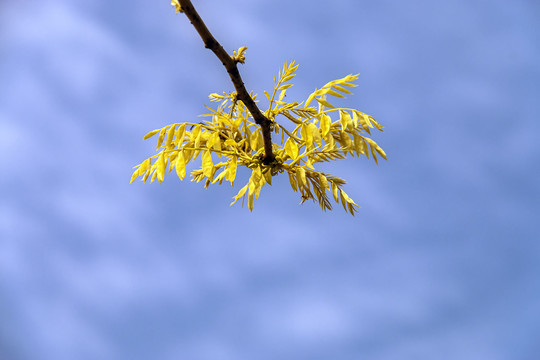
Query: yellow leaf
170, 136
217, 144
374, 155
301, 176
343, 200
195, 154
205, 135
247, 134
345, 119
200, 138
154, 176
150, 134
171, 161
342, 89
345, 141
252, 185
334, 93
161, 167
292, 180
180, 134
330, 142
381, 151
258, 187
377, 148
325, 103
180, 166
325, 124
256, 175
195, 133
287, 78
315, 135
291, 149
145, 177
377, 125
160, 138
188, 154
250, 201
230, 142
310, 98
348, 78
268, 177
367, 118
254, 140
146, 165
240, 194
358, 144
220, 176
210, 141
307, 135
366, 147
134, 175
355, 119
346, 197
286, 86
207, 164
352, 208
364, 122
335, 192
232, 170
323, 181
260, 140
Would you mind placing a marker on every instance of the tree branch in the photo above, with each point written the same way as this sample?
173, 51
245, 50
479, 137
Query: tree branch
230, 65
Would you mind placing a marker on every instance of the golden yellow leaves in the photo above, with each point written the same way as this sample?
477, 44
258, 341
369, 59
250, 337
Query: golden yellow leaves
316, 138
285, 74
313, 135
177, 6
332, 88
253, 188
314, 185
240, 57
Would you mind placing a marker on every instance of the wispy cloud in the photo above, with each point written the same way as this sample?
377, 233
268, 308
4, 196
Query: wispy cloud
440, 260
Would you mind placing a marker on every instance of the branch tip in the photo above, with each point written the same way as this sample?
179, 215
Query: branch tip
230, 64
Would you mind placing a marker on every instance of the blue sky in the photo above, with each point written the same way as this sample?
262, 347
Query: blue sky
442, 261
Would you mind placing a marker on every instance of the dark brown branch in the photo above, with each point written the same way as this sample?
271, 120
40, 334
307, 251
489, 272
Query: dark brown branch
230, 64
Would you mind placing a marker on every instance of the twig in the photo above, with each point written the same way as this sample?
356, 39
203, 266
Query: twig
230, 65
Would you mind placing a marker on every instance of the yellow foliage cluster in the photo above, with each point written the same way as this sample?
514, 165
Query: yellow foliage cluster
314, 135
177, 6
